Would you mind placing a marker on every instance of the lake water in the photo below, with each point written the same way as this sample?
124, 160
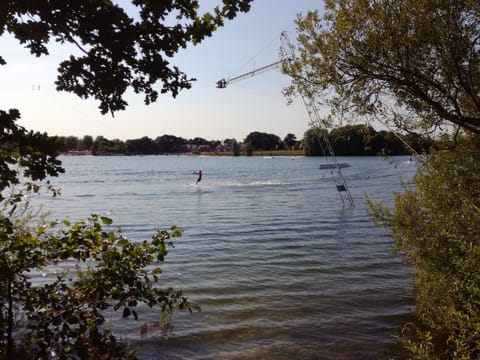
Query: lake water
279, 268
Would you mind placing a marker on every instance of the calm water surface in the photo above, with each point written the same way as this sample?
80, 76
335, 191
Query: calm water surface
279, 268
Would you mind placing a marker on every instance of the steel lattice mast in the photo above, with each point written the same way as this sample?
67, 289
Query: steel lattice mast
307, 92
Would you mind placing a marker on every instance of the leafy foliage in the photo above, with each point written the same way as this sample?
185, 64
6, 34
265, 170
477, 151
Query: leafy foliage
65, 315
102, 270
437, 226
117, 50
290, 141
414, 64
263, 141
235, 147
34, 153
363, 140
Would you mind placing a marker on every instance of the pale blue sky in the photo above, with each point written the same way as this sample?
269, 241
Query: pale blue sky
254, 104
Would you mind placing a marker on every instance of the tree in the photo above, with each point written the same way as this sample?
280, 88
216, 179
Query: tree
145, 146
412, 63
290, 141
263, 141
117, 50
86, 143
32, 156
311, 145
199, 141
436, 225
348, 140
235, 147
102, 145
65, 316
72, 142
249, 149
171, 144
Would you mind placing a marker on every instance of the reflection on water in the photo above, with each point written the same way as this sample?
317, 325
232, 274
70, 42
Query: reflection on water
278, 267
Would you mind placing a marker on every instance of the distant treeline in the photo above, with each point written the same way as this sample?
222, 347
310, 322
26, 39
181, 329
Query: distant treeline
347, 140
365, 140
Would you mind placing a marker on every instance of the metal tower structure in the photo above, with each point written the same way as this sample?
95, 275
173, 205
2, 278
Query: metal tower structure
307, 91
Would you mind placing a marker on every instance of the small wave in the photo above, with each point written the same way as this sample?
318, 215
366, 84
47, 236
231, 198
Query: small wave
253, 184
89, 181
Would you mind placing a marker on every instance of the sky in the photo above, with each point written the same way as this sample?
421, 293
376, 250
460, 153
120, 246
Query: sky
247, 42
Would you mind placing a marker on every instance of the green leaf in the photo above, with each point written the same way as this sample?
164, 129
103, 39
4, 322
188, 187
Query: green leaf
106, 220
123, 241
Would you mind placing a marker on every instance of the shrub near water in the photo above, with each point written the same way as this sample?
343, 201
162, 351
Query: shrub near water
437, 226
63, 316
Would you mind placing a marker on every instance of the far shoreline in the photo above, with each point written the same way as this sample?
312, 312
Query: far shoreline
265, 153
203, 153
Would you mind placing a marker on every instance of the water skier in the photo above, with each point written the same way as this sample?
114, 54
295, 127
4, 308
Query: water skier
199, 173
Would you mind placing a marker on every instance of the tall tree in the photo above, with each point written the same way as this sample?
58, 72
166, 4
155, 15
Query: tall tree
145, 145
263, 141
290, 141
171, 144
414, 63
311, 145
349, 140
117, 50
235, 147
86, 143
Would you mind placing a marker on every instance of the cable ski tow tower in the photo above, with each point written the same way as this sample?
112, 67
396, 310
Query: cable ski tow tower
307, 92
222, 84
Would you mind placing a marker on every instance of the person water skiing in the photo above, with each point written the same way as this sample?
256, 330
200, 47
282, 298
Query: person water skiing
199, 173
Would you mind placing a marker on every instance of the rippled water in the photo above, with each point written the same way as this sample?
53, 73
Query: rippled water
279, 268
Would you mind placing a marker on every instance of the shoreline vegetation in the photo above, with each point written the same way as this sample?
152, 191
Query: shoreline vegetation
350, 140
202, 153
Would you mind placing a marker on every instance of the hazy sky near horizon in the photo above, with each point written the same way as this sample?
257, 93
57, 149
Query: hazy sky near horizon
249, 41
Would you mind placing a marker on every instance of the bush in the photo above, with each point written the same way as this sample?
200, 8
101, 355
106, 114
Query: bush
437, 226
102, 270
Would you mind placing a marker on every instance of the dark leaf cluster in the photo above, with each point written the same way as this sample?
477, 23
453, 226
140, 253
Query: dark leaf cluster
117, 49
65, 315
30, 155
364, 141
